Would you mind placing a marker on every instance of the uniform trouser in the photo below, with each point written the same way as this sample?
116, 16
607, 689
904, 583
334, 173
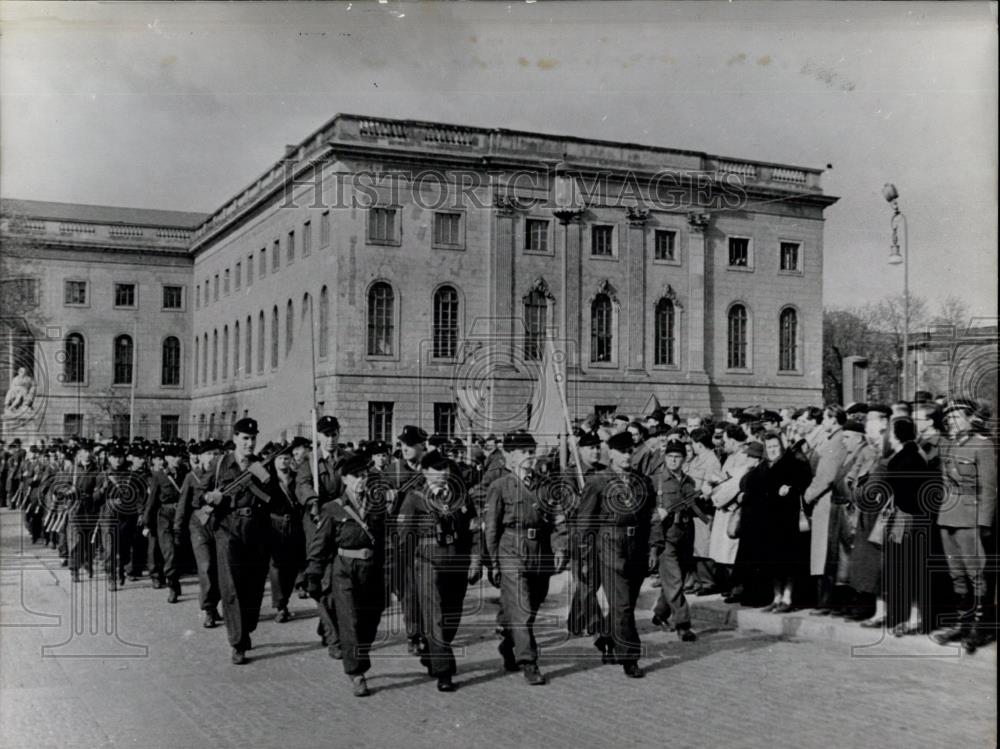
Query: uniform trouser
33, 517
203, 548
968, 551
623, 568
672, 602
522, 591
359, 592
79, 530
326, 627
241, 545
137, 551
584, 610
441, 578
118, 534
287, 557
165, 536
154, 556
405, 558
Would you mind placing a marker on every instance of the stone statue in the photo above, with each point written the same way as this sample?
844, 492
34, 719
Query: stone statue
21, 393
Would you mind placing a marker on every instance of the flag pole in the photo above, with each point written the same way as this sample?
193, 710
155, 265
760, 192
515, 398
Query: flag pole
560, 378
135, 375
313, 454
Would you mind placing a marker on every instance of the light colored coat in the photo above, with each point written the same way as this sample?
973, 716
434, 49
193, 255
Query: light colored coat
700, 468
827, 460
721, 547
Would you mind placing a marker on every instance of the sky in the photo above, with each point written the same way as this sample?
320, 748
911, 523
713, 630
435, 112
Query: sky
180, 105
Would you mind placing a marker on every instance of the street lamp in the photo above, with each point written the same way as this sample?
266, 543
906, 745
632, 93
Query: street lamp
891, 196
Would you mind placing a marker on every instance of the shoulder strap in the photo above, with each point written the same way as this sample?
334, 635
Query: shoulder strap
353, 515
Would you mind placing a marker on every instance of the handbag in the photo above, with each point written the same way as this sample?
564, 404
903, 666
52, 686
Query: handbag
882, 520
804, 525
733, 525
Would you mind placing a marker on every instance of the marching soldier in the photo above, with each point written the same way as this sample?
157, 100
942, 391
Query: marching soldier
83, 512
441, 519
673, 536
521, 536
584, 611
239, 517
287, 538
121, 497
161, 514
187, 516
967, 518
350, 541
145, 552
618, 504
330, 485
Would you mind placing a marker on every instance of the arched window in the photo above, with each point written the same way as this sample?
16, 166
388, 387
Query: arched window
197, 357
215, 355
274, 336
74, 364
260, 342
737, 337
324, 323
204, 359
170, 370
380, 319
306, 301
445, 322
289, 326
788, 340
248, 362
225, 352
535, 316
123, 360
601, 338
236, 349
663, 333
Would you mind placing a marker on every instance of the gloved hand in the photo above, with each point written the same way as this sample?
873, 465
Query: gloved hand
213, 497
494, 577
475, 571
561, 562
654, 558
314, 587
145, 532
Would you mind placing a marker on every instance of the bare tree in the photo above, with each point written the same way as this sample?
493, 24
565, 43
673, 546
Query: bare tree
953, 311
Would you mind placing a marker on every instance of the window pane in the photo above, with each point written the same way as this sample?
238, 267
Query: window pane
173, 297
739, 252
123, 355
380, 320
737, 338
536, 235
600, 324
663, 333
664, 245
171, 368
124, 295
601, 238
535, 315
380, 420
73, 367
445, 322
788, 340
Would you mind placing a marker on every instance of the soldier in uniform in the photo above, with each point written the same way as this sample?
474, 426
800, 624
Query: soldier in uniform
618, 504
405, 475
967, 518
441, 518
287, 538
143, 551
121, 497
330, 485
187, 516
584, 611
83, 512
674, 535
527, 544
161, 514
236, 491
350, 538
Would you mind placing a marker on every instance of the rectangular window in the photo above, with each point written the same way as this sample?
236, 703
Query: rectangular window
276, 255
382, 225
225, 282
739, 252
536, 235
237, 272
444, 419
790, 257
125, 295
324, 229
173, 297
262, 270
665, 245
250, 269
72, 425
120, 426
215, 296
75, 292
306, 238
448, 230
291, 248
601, 241
21, 291
206, 292
170, 427
380, 420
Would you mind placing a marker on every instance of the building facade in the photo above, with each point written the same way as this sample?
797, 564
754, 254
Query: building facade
434, 268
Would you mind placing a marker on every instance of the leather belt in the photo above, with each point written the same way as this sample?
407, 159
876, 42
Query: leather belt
628, 529
242, 512
356, 553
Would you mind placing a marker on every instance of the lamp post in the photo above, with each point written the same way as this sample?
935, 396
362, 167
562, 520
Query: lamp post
891, 196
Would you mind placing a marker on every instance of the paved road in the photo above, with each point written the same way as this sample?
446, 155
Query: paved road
80, 668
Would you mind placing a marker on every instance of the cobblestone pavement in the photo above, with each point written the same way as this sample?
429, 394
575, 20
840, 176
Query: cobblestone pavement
82, 668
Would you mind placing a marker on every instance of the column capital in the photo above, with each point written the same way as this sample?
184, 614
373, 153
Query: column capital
699, 221
568, 215
507, 205
637, 215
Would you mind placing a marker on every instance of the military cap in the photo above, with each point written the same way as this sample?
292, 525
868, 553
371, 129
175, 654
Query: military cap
621, 442
246, 425
966, 405
435, 460
269, 449
412, 435
353, 464
622, 417
854, 426
520, 439
137, 450
437, 440
115, 449
85, 444
302, 441
328, 425
880, 408
379, 447
675, 446
771, 416
856, 408
588, 439
173, 451
196, 448
755, 450
922, 396
228, 445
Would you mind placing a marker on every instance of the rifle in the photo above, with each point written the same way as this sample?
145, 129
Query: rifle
689, 501
257, 471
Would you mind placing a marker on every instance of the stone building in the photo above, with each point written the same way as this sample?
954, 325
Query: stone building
433, 262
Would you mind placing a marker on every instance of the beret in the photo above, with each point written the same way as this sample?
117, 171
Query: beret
412, 435
588, 439
675, 446
520, 439
622, 442
327, 425
246, 426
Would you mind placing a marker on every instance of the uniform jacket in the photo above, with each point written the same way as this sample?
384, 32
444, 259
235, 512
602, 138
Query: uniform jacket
969, 467
252, 497
337, 529
520, 529
83, 499
164, 489
450, 519
613, 503
191, 498
331, 484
